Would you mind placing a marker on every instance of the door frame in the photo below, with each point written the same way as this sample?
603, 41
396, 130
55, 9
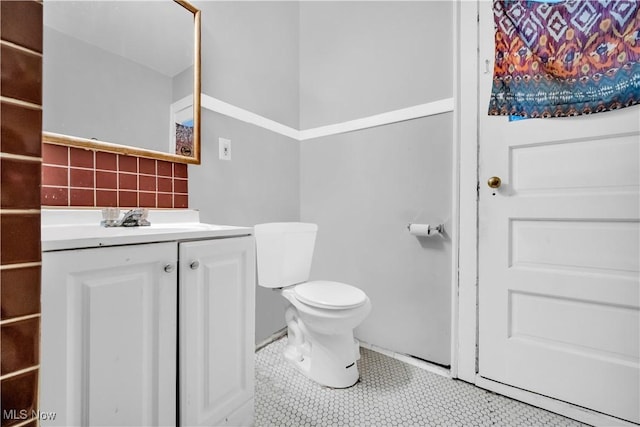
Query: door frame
464, 301
465, 153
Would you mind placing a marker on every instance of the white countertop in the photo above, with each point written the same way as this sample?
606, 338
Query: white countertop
64, 229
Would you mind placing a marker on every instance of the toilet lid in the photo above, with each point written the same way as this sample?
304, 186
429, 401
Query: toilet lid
325, 294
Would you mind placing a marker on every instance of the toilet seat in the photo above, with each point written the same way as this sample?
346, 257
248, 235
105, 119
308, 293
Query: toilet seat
329, 295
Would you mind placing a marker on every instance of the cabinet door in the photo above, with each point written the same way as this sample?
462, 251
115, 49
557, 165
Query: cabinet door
109, 336
217, 291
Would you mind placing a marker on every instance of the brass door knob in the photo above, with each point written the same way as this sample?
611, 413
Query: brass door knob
494, 182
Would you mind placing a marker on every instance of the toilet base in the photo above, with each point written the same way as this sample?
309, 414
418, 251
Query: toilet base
329, 360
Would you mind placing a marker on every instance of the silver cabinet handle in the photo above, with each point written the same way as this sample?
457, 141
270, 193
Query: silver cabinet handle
169, 268
194, 265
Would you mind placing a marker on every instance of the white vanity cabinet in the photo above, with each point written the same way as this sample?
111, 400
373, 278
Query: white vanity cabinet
109, 331
217, 332
148, 334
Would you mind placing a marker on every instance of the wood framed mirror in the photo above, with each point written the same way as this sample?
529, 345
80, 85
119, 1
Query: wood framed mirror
123, 77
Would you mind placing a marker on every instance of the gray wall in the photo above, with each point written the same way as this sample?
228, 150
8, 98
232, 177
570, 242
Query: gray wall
250, 56
250, 59
182, 84
362, 188
363, 58
81, 99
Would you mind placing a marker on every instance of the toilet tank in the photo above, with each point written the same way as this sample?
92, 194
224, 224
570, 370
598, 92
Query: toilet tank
284, 252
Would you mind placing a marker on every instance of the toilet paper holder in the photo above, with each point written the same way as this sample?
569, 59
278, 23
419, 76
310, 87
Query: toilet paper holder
425, 229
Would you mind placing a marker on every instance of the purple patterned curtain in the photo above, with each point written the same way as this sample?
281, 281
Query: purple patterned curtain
565, 58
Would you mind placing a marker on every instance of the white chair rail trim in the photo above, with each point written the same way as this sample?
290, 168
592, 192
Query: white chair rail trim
417, 111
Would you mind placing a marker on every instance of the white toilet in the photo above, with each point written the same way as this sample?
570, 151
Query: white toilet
321, 315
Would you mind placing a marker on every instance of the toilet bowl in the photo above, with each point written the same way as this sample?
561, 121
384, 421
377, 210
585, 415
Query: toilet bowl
321, 314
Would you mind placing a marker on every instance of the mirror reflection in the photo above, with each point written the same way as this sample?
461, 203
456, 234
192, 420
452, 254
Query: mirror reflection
121, 72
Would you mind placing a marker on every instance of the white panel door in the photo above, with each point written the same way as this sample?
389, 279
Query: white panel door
109, 336
217, 304
559, 253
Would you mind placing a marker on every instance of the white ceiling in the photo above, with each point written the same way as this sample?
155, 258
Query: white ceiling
155, 33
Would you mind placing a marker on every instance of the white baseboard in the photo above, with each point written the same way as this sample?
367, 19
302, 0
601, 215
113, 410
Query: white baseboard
557, 406
271, 338
422, 364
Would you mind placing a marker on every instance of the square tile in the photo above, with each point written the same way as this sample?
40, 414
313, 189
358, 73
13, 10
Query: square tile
54, 196
20, 241
26, 31
147, 182
180, 170
164, 168
20, 345
20, 75
107, 180
147, 200
180, 186
19, 393
55, 154
180, 201
128, 199
82, 178
20, 129
81, 158
127, 164
127, 181
106, 161
56, 176
165, 200
165, 185
147, 166
19, 184
19, 292
81, 197
106, 199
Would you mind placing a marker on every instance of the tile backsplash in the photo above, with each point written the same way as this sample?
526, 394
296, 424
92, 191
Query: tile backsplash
77, 177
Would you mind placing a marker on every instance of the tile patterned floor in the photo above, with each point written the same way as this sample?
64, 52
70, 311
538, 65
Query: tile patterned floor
390, 393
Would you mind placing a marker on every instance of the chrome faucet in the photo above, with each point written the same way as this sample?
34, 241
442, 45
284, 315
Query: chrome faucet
133, 218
